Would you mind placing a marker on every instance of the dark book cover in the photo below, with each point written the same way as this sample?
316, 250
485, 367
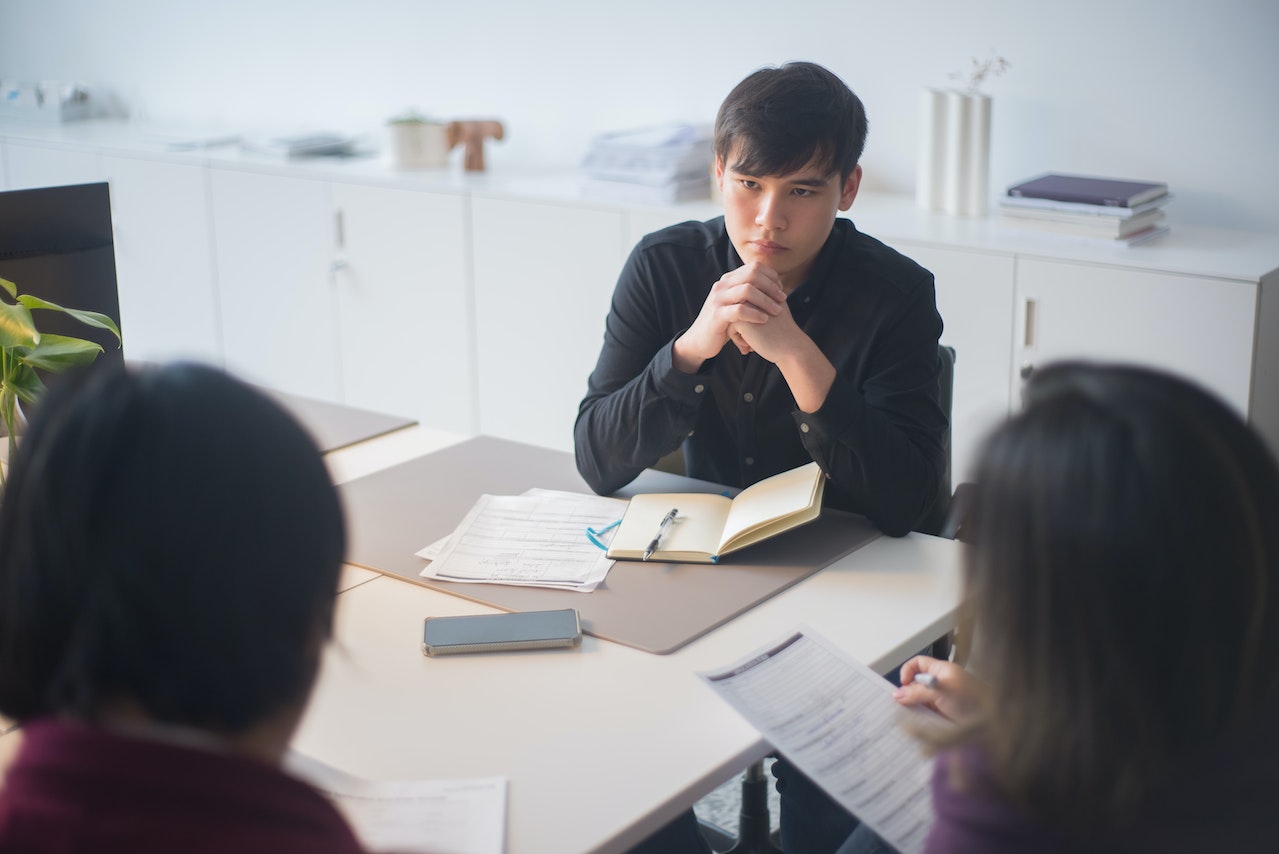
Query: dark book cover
1087, 190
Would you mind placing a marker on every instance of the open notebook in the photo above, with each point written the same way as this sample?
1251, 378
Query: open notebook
706, 526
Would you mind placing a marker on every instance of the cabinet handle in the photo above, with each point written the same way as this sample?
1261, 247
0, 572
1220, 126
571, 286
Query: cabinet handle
339, 229
1028, 332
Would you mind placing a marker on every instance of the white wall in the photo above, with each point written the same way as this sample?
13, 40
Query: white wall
1175, 90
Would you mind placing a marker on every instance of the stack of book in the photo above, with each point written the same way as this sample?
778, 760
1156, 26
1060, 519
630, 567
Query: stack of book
1123, 211
670, 163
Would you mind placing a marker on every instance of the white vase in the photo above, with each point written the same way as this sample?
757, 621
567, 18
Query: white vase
10, 441
953, 167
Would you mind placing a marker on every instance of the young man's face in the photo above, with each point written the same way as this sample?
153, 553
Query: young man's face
783, 220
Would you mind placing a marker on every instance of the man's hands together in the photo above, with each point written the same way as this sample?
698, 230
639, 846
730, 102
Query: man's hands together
751, 295
748, 307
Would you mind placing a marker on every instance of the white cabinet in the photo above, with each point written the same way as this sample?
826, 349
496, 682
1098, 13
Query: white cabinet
405, 312
348, 293
29, 166
274, 239
974, 294
1196, 326
544, 277
164, 260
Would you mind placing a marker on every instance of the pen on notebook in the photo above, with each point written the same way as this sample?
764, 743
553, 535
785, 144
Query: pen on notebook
928, 680
661, 529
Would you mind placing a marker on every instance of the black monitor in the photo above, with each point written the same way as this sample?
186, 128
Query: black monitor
56, 244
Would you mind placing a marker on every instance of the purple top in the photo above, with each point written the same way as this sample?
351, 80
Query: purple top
1226, 799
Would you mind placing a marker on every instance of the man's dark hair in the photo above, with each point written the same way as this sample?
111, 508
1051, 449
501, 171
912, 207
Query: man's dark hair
168, 536
777, 120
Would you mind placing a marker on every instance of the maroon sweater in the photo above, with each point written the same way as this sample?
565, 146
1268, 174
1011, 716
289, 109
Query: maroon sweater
78, 788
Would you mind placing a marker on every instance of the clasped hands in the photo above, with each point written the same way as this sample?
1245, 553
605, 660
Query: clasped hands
748, 307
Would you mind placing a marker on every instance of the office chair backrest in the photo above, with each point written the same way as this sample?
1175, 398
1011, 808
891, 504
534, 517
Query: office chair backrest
934, 521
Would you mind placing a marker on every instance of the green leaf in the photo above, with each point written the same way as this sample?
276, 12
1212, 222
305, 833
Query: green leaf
88, 318
25, 384
56, 353
17, 329
9, 286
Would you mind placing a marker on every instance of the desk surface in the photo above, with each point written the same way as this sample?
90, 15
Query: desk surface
335, 425
393, 513
603, 744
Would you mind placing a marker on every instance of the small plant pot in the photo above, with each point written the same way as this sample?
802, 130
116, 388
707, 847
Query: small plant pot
420, 144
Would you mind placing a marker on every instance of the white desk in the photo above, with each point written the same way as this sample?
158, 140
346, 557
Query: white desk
601, 745
604, 744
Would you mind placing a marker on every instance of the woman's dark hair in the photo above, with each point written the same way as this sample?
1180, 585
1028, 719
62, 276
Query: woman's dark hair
169, 536
777, 120
1122, 586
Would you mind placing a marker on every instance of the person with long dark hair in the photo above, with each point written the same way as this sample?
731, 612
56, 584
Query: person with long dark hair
170, 544
1121, 616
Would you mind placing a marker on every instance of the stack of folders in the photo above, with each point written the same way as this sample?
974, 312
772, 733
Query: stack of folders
1110, 209
308, 144
657, 165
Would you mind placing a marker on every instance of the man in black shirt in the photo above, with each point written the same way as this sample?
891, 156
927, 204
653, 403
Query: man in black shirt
778, 333
775, 335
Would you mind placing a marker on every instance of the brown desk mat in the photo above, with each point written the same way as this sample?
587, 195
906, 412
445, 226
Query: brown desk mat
655, 607
335, 425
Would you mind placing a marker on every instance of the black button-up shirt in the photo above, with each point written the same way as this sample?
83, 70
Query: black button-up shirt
879, 436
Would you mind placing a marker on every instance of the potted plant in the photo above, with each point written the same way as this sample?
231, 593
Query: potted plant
24, 350
420, 143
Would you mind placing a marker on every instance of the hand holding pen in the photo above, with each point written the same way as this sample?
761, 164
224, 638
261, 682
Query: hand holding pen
942, 686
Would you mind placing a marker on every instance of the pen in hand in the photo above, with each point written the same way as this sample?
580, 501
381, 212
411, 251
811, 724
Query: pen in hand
928, 680
661, 529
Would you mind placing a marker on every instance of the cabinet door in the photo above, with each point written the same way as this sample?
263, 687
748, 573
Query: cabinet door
404, 305
975, 300
544, 276
1201, 328
274, 247
164, 260
29, 166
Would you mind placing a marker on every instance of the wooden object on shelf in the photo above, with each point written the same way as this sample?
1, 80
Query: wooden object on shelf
472, 134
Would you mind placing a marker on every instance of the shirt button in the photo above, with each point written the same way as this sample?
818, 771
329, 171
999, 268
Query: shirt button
748, 397
699, 388
803, 427
750, 461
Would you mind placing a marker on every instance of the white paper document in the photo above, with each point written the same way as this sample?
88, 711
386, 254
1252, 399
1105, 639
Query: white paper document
836, 720
536, 539
430, 816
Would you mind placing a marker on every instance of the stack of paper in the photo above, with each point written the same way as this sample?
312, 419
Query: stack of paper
538, 539
655, 165
299, 144
466, 816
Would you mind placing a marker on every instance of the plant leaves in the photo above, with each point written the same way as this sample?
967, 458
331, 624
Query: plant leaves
17, 329
9, 286
56, 353
88, 318
24, 384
